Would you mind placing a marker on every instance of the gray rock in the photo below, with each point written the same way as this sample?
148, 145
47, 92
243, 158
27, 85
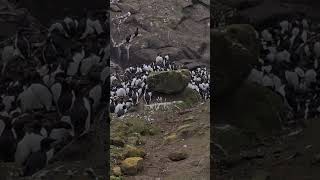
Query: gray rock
142, 56
190, 64
256, 109
236, 51
169, 82
115, 8
133, 8
178, 156
175, 53
184, 3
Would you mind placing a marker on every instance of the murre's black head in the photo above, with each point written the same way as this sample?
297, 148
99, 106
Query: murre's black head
2, 106
45, 144
36, 127
136, 32
128, 38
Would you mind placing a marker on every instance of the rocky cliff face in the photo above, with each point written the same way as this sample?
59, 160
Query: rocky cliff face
260, 12
179, 28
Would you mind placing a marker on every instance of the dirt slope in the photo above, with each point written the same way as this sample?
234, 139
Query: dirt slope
179, 131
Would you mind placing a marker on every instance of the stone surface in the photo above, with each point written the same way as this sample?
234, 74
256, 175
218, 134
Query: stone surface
164, 27
131, 151
171, 138
257, 109
236, 51
116, 171
169, 82
230, 138
177, 156
117, 141
131, 166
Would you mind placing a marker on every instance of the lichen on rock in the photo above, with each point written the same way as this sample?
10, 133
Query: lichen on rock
169, 82
131, 166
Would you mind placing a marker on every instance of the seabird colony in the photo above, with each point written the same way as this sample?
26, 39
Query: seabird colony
289, 65
130, 88
56, 92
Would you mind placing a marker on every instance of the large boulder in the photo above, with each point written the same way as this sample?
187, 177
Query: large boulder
235, 51
169, 82
246, 35
253, 108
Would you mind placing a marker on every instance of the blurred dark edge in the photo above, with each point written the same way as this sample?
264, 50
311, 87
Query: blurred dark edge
48, 11
260, 19
212, 177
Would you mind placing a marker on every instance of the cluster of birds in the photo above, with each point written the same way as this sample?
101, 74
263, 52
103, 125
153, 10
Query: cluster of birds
56, 100
289, 65
130, 88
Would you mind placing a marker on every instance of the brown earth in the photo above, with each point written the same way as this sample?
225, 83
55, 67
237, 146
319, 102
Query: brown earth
185, 131
292, 156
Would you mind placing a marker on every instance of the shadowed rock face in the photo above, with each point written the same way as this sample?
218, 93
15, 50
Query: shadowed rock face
260, 12
236, 51
178, 28
247, 106
47, 10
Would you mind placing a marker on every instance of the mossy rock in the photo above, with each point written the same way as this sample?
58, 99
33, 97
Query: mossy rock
178, 156
116, 153
135, 140
131, 151
119, 130
257, 109
131, 166
187, 130
115, 178
169, 82
116, 171
140, 126
117, 141
132, 127
185, 126
190, 97
170, 138
236, 51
